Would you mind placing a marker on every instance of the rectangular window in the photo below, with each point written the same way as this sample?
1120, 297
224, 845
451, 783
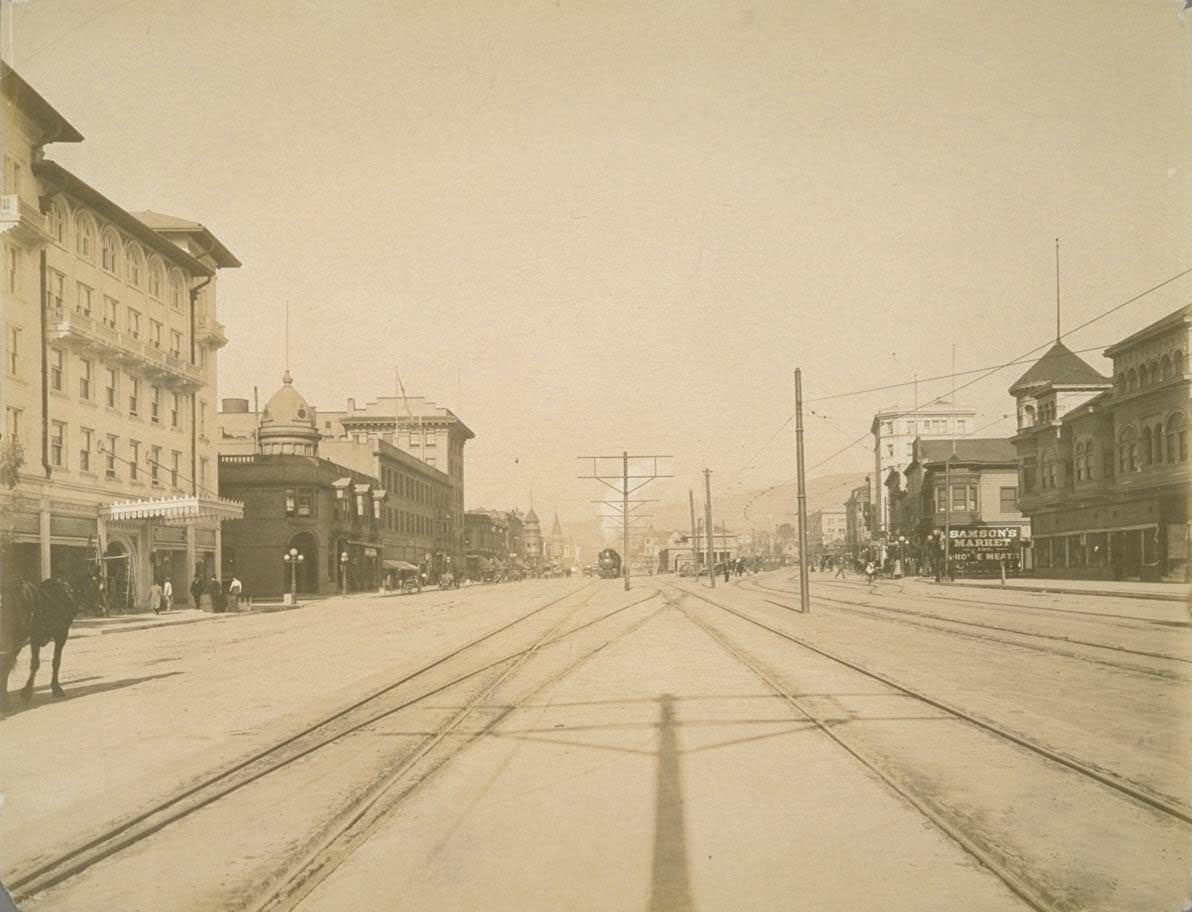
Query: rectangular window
155, 333
56, 289
86, 439
110, 457
14, 350
57, 444
12, 422
13, 271
958, 497
155, 405
83, 303
155, 465
961, 426
110, 306
173, 410
134, 456
111, 390
134, 323
202, 418
175, 343
304, 502
57, 369
202, 475
134, 395
1009, 500
175, 459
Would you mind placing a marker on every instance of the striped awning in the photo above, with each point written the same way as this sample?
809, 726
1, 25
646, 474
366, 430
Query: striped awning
176, 508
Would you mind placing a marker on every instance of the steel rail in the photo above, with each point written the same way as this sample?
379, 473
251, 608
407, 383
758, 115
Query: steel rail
1012, 630
1020, 886
362, 817
1136, 791
45, 874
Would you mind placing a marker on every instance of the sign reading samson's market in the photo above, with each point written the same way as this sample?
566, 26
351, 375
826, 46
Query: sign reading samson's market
972, 546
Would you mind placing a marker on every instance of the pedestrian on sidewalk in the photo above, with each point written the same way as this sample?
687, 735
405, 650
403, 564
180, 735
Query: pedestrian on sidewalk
235, 587
196, 591
219, 601
155, 597
167, 595
839, 570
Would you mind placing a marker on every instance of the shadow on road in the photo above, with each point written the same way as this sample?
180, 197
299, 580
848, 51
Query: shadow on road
42, 696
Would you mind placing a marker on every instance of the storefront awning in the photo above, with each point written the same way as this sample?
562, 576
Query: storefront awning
175, 508
398, 565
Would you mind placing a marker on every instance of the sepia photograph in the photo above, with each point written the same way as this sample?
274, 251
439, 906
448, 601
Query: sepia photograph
595, 456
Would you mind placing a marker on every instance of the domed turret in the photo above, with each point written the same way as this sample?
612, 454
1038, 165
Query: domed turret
288, 423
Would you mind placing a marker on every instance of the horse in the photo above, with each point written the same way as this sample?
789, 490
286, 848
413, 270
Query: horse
34, 613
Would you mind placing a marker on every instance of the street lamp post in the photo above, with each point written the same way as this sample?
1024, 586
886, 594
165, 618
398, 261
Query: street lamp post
901, 556
293, 558
343, 572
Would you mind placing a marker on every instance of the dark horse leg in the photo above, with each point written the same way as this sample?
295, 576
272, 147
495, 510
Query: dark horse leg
34, 662
59, 644
7, 660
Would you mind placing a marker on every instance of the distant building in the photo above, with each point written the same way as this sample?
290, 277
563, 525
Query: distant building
681, 550
894, 432
1103, 463
858, 512
532, 532
485, 546
966, 492
826, 534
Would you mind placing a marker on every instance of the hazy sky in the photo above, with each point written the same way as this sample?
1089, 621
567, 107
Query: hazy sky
594, 226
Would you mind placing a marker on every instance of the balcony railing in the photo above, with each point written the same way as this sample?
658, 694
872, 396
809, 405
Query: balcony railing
210, 331
22, 221
90, 335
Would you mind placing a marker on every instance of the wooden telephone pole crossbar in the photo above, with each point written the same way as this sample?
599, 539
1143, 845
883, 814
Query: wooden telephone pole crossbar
624, 484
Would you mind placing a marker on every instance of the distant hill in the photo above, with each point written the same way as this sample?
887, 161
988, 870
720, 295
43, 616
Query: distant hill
767, 509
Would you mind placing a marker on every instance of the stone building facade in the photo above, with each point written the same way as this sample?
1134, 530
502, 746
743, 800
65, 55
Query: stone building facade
110, 353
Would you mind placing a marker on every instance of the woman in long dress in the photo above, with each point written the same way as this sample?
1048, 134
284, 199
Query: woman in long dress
155, 597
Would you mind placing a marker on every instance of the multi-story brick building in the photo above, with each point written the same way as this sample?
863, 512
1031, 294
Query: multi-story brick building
310, 523
1104, 468
858, 513
110, 350
432, 434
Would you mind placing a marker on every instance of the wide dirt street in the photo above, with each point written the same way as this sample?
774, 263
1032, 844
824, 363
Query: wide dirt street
564, 744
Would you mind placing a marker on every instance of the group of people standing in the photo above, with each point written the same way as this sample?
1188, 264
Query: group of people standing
222, 596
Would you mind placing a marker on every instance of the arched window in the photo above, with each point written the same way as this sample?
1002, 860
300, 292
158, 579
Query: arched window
1131, 380
85, 235
156, 278
1165, 368
110, 250
1148, 453
1177, 439
1177, 363
1128, 450
176, 289
58, 220
136, 266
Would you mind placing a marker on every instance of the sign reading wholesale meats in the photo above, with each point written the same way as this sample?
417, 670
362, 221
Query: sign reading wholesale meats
982, 549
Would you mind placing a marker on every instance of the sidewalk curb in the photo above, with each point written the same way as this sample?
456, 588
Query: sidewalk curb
1063, 590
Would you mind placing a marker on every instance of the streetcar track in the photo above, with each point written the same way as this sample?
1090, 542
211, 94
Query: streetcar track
1119, 783
848, 605
42, 875
1020, 886
298, 881
981, 602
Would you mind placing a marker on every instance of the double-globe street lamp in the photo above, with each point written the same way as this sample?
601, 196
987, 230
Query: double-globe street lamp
293, 558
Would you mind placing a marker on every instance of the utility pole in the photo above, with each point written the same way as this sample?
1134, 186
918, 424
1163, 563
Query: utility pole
625, 512
624, 483
804, 581
948, 479
708, 526
694, 537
